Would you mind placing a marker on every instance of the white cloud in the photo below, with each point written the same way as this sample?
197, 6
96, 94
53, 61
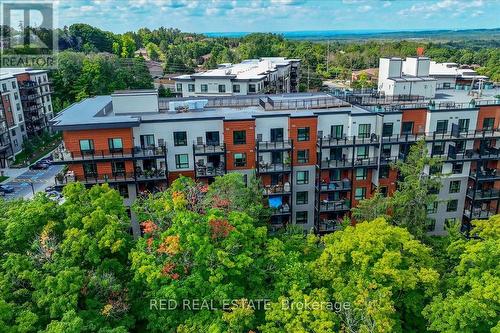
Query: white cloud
364, 9
387, 4
87, 8
455, 7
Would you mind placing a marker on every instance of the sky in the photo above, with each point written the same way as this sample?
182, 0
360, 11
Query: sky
121, 16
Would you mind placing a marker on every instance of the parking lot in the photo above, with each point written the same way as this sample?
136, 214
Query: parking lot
40, 179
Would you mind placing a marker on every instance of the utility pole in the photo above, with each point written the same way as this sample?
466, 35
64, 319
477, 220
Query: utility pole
308, 77
327, 56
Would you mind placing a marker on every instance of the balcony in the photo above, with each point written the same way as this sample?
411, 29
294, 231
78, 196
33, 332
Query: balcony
283, 210
209, 170
63, 156
208, 149
484, 175
264, 146
276, 189
119, 177
478, 214
489, 194
274, 168
336, 186
325, 226
334, 206
349, 163
488, 153
333, 141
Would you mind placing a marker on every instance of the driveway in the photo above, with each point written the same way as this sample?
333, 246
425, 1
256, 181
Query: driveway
39, 178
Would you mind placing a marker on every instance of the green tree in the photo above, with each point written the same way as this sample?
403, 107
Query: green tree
128, 46
470, 300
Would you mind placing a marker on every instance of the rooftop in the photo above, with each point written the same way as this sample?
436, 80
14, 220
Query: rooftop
9, 72
251, 69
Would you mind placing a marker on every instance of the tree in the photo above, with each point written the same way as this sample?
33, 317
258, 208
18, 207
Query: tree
416, 190
128, 46
153, 51
371, 208
470, 301
382, 272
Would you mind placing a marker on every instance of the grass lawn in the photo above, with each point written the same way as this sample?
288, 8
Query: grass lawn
23, 160
2, 178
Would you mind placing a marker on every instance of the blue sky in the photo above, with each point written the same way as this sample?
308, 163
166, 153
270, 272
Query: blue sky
280, 15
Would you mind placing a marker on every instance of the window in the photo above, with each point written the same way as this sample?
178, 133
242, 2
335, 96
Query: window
16, 96
362, 152
436, 169
441, 126
432, 209
22, 128
407, 127
204, 87
460, 147
239, 137
364, 130
87, 146
222, 88
277, 157
115, 144
336, 154
387, 129
276, 135
438, 148
360, 193
383, 190
147, 140
89, 170
4, 87
178, 87
240, 159
236, 88
384, 172
452, 206
386, 151
302, 177
182, 161
335, 174
361, 173
463, 125
303, 134
13, 84
180, 139
431, 224
276, 179
302, 197
123, 189
118, 168
337, 131
457, 168
488, 124
251, 88
191, 87
212, 138
301, 217
303, 156
455, 186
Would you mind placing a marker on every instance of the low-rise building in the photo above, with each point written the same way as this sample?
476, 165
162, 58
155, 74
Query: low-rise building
253, 76
25, 108
316, 155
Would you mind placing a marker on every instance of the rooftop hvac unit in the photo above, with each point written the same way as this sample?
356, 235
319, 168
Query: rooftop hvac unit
184, 106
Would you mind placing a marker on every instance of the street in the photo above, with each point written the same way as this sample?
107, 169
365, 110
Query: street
39, 178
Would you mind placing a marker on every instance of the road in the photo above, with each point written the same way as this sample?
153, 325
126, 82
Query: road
39, 178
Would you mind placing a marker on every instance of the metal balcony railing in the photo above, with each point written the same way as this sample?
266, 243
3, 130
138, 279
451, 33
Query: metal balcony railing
486, 174
339, 185
478, 213
283, 210
483, 194
328, 226
334, 206
62, 155
334, 141
116, 177
274, 167
347, 163
210, 170
274, 145
276, 189
208, 149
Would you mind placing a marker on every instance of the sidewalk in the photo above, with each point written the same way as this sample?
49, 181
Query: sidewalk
12, 173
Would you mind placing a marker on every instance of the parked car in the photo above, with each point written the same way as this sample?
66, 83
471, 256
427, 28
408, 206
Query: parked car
6, 188
54, 195
39, 166
50, 189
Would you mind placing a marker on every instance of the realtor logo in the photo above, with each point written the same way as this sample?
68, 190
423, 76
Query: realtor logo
28, 34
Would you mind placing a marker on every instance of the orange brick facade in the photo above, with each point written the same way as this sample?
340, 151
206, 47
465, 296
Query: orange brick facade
248, 148
307, 122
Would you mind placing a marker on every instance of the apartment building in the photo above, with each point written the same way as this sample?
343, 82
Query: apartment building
252, 76
450, 75
316, 155
25, 108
